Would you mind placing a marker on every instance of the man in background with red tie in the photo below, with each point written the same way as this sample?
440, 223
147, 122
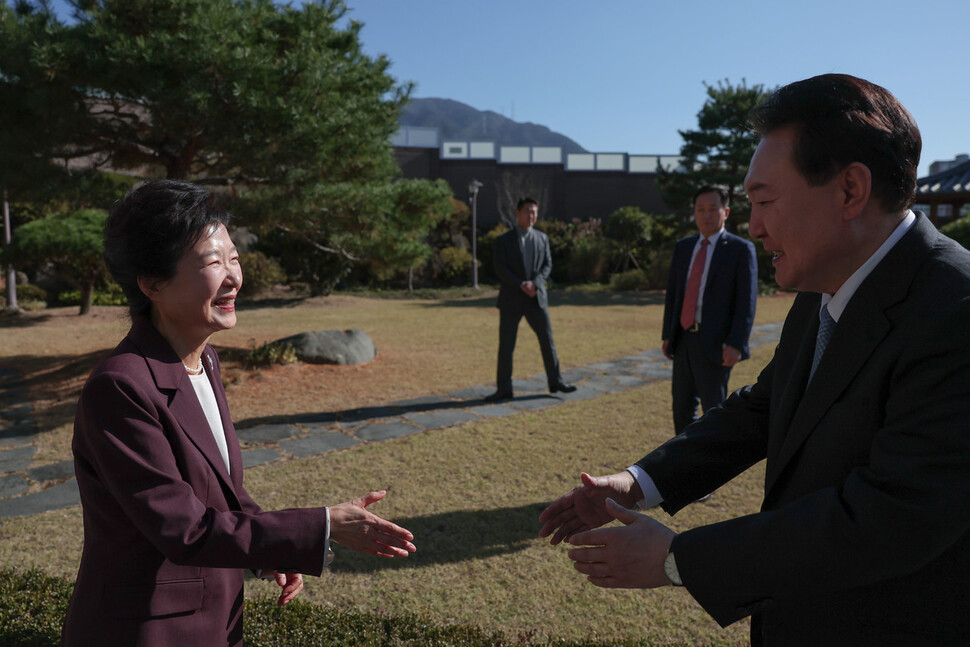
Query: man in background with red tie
710, 305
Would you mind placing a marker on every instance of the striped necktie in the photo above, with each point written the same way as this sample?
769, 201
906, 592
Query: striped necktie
825, 327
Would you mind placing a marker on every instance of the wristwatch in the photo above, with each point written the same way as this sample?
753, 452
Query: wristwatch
670, 569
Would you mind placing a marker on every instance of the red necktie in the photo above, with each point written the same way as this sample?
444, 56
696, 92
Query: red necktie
693, 287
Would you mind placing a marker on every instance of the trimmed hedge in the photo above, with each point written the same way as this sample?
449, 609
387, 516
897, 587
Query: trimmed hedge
33, 604
32, 608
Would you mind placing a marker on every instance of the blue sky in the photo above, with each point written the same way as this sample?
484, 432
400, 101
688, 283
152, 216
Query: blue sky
626, 75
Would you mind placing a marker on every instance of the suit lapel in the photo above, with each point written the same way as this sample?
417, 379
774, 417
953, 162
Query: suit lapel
718, 258
856, 336
169, 375
187, 410
863, 326
515, 252
232, 441
800, 331
684, 269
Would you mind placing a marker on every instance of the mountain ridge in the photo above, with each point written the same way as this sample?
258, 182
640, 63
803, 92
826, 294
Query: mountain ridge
460, 121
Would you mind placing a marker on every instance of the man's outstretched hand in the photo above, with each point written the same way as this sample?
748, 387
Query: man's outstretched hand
584, 507
630, 556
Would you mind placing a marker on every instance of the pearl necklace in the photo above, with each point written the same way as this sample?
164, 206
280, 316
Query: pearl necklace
194, 371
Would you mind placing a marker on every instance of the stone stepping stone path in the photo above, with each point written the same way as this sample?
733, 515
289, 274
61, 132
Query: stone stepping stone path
311, 434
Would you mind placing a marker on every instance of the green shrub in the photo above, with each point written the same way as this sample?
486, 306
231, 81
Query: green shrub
33, 605
486, 249
658, 268
308, 625
589, 260
29, 293
32, 608
108, 295
455, 263
269, 354
958, 230
260, 272
629, 281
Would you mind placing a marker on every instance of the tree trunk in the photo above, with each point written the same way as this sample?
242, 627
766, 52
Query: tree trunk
87, 294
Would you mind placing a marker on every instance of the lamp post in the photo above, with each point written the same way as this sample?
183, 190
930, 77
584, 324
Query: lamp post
11, 275
473, 188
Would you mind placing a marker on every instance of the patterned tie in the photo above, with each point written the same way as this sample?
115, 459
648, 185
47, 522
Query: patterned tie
694, 286
825, 327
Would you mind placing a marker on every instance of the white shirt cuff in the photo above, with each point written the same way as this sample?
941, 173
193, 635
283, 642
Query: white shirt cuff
327, 551
651, 495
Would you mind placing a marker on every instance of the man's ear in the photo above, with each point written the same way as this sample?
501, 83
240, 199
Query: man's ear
855, 185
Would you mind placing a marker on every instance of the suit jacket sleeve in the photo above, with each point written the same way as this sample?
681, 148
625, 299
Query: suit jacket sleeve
672, 297
545, 264
502, 261
142, 468
746, 297
884, 497
721, 445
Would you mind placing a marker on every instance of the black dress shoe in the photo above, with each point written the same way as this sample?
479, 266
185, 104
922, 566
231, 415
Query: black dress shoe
498, 396
562, 387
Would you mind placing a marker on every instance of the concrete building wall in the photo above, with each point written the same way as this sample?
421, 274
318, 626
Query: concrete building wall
567, 189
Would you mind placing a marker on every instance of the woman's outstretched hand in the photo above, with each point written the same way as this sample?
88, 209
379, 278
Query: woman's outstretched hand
356, 528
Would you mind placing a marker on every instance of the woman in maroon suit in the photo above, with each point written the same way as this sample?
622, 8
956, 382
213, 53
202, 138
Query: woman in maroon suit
168, 525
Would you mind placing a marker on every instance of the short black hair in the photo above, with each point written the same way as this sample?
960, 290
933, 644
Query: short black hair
151, 229
711, 188
524, 201
840, 119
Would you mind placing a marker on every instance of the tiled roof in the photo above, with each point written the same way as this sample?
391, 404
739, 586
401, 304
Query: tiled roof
954, 180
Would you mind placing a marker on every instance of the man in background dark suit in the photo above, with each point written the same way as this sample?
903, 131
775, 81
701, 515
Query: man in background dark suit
709, 310
863, 414
522, 263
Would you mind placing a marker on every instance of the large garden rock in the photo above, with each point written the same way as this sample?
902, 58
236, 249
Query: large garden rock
332, 346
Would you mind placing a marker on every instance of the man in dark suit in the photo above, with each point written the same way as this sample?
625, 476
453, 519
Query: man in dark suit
522, 263
709, 309
863, 414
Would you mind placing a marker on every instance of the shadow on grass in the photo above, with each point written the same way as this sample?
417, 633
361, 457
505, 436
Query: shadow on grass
54, 380
22, 321
381, 412
451, 537
566, 298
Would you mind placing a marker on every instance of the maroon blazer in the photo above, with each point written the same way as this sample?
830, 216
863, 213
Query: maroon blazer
167, 530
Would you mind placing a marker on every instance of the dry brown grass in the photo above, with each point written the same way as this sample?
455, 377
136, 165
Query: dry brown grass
424, 347
470, 493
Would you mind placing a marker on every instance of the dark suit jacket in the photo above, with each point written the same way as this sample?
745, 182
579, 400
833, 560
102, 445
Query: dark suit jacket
730, 295
167, 530
864, 534
511, 271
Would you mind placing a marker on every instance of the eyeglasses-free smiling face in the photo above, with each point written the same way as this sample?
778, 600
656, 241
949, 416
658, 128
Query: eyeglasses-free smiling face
201, 298
799, 224
709, 213
527, 215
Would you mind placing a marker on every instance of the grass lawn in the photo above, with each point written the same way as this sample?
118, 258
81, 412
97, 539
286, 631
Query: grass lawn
471, 494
